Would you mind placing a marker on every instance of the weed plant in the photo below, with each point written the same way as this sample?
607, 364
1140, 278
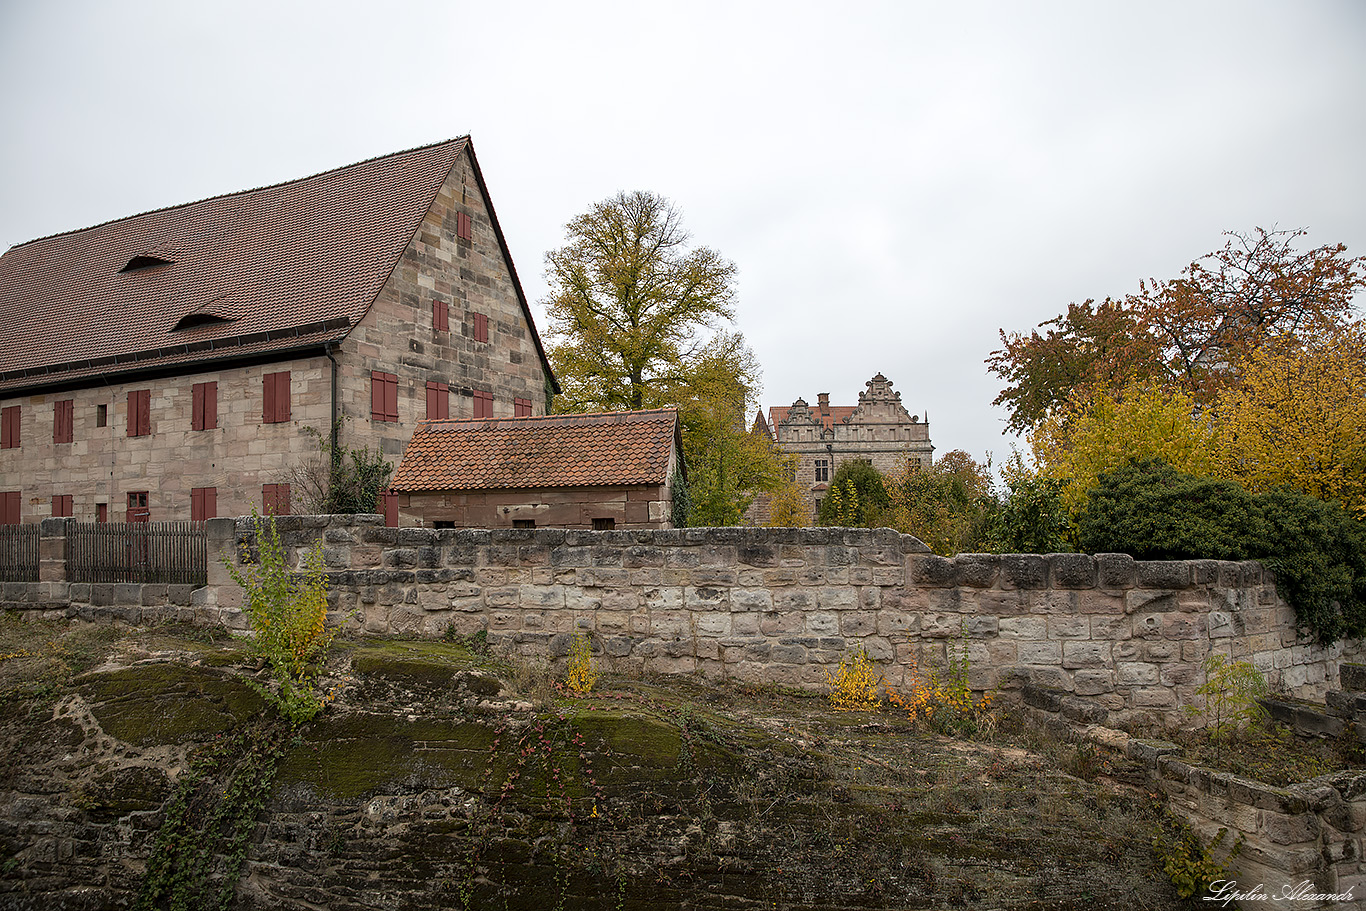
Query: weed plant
853, 688
288, 615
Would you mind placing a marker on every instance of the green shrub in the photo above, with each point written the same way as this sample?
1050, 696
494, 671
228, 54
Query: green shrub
1317, 551
857, 497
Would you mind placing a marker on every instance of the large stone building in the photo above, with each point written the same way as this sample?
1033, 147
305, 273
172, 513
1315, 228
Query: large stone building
604, 471
168, 365
877, 430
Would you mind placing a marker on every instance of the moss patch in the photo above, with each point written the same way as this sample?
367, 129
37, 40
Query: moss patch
168, 703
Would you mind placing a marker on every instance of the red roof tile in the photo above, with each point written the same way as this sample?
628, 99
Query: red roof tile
312, 253
563, 450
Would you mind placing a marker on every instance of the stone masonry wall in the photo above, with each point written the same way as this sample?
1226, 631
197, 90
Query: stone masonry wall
782, 605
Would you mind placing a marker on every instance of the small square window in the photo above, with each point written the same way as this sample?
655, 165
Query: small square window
604, 524
523, 523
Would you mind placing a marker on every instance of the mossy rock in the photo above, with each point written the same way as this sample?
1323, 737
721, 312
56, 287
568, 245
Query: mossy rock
425, 665
168, 703
354, 755
130, 789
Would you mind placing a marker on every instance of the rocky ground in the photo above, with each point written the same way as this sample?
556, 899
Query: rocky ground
140, 766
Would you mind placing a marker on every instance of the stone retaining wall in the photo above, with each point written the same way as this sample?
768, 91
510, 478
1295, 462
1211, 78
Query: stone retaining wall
782, 605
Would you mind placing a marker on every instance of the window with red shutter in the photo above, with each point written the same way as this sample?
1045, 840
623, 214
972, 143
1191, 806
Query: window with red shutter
521, 408
483, 404
63, 419
9, 507
203, 503
438, 401
139, 412
464, 226
275, 499
383, 396
276, 395
480, 327
101, 512
205, 406
9, 427
441, 316
61, 506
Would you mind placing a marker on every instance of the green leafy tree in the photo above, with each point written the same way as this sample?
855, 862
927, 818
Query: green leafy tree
637, 320
857, 497
1315, 549
631, 304
1033, 519
950, 506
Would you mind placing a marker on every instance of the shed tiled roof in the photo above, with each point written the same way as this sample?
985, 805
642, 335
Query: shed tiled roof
306, 257
563, 450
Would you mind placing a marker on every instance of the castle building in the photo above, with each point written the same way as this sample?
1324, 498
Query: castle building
877, 430
171, 365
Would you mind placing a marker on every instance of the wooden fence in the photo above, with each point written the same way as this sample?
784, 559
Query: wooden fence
176, 553
18, 553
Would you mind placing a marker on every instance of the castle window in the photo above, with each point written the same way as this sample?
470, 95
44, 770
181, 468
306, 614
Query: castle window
203, 503
139, 412
822, 470
101, 415
204, 406
604, 524
61, 506
438, 401
483, 404
521, 408
480, 327
383, 396
63, 414
276, 398
9, 427
440, 316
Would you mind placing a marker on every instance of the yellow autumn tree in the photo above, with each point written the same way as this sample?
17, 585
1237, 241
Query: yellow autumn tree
1105, 429
1297, 419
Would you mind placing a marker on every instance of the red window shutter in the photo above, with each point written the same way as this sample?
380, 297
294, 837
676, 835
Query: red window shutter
391, 397
9, 427
440, 316
275, 499
376, 396
203, 504
61, 506
283, 409
276, 394
521, 408
438, 401
197, 410
101, 512
210, 405
139, 412
481, 327
483, 404
464, 228
62, 420
388, 504
9, 508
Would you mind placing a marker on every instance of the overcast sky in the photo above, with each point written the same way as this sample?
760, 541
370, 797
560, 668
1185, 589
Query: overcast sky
895, 182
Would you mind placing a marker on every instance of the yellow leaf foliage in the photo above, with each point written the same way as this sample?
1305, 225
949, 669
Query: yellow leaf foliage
1105, 429
1298, 419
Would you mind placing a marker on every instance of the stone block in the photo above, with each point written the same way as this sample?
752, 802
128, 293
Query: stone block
837, 598
857, 624
1039, 652
1163, 574
1076, 654
1092, 682
976, 570
823, 624
1023, 628
1137, 673
1111, 628
930, 571
1024, 571
1071, 571
1153, 697
1069, 628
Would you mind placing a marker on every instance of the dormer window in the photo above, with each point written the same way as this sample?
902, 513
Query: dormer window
195, 320
145, 261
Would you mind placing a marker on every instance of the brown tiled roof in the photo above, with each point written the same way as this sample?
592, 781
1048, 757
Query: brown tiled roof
837, 414
563, 450
273, 262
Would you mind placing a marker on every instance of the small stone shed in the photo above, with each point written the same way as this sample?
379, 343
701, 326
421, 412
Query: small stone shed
604, 470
